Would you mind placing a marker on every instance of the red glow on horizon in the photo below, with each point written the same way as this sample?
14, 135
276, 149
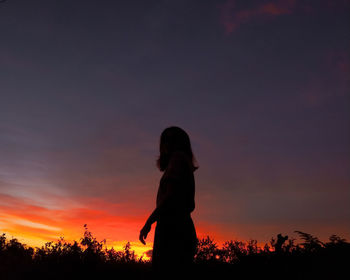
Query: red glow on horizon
35, 225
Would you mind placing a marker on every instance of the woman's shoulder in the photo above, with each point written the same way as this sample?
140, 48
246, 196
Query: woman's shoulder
181, 158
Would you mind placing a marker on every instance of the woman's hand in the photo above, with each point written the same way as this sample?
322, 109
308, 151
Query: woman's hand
143, 233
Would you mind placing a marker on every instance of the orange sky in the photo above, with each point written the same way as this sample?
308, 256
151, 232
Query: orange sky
34, 225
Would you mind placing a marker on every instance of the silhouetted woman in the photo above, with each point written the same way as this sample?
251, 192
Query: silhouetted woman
175, 238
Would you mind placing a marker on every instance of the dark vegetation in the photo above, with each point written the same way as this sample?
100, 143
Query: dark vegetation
282, 258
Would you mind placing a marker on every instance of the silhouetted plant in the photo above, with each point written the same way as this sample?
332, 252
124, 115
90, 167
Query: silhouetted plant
252, 247
336, 240
207, 250
113, 256
90, 258
128, 255
311, 243
93, 253
2, 242
234, 251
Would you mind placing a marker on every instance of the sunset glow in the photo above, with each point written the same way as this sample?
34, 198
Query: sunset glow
261, 87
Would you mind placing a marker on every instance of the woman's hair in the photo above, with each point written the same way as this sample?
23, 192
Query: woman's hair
173, 139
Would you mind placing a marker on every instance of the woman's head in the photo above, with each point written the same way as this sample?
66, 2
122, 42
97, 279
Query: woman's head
173, 139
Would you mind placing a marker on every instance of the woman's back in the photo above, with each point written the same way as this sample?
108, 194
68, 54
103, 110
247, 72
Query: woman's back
178, 179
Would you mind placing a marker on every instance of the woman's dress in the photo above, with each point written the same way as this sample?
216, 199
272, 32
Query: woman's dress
175, 238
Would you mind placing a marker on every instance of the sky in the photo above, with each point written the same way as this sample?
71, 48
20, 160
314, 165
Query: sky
261, 87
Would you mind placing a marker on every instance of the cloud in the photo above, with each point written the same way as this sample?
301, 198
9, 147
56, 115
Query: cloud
34, 225
22, 217
233, 13
28, 223
232, 17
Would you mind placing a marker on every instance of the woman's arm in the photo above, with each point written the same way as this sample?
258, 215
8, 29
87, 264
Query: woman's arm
174, 173
166, 202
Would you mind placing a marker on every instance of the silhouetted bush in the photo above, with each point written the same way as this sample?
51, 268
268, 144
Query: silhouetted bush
207, 251
90, 259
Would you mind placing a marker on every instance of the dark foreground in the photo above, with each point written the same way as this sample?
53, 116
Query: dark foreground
282, 258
